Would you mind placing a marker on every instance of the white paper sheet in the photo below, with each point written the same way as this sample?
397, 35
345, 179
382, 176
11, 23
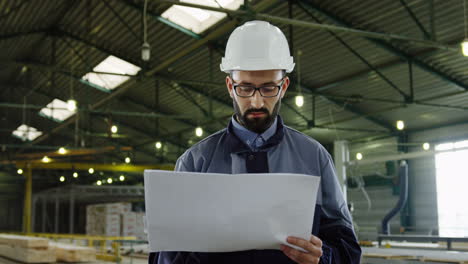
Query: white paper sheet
207, 212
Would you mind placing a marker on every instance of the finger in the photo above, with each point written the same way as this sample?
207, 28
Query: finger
306, 245
299, 256
316, 241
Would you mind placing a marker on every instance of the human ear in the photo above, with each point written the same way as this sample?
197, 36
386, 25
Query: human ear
229, 85
285, 86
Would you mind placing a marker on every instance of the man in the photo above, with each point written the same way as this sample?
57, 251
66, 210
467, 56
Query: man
256, 141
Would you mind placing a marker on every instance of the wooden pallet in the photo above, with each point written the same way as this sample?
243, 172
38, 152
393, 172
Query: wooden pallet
24, 241
28, 255
73, 253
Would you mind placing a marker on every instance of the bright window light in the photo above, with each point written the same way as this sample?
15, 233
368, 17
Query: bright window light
25, 132
198, 20
445, 146
111, 64
451, 180
56, 110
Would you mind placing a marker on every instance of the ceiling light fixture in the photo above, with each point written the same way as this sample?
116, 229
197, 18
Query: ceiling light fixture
359, 156
299, 100
400, 125
114, 129
91, 170
158, 145
426, 146
62, 151
20, 171
122, 178
71, 105
199, 131
75, 174
127, 160
45, 159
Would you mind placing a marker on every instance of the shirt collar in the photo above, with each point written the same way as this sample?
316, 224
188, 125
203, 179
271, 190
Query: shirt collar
249, 137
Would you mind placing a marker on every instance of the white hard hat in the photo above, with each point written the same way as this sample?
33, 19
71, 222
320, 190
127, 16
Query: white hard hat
257, 45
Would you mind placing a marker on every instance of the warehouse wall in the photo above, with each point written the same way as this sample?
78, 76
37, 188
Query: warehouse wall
423, 200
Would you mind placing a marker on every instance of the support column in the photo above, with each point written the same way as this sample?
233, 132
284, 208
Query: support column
33, 214
72, 212
56, 222
44, 214
341, 155
27, 200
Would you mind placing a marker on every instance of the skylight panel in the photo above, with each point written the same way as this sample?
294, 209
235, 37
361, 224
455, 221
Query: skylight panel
111, 64
196, 19
56, 110
26, 133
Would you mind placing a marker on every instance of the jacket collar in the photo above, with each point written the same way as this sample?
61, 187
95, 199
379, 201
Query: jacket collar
236, 145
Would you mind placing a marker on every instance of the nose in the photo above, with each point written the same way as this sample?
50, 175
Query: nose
256, 101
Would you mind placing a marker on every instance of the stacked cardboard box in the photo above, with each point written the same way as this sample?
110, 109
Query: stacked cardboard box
129, 224
105, 219
140, 226
114, 219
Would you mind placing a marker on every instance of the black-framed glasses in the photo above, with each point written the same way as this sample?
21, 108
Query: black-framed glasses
270, 90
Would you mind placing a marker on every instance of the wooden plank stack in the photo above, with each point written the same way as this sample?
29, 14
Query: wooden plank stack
26, 249
73, 253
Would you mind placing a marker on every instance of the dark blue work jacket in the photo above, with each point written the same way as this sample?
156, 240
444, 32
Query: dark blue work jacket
287, 151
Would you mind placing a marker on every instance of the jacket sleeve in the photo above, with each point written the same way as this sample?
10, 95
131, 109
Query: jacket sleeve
340, 245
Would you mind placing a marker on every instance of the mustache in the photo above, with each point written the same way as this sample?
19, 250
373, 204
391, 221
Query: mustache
263, 110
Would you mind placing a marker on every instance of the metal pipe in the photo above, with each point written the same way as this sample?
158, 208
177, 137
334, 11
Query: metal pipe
109, 112
405, 156
403, 173
299, 23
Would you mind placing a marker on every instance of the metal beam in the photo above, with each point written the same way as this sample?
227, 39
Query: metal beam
299, 23
359, 56
22, 34
394, 50
97, 166
121, 19
110, 139
415, 19
215, 34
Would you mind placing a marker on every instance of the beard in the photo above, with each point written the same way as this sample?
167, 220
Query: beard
257, 125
